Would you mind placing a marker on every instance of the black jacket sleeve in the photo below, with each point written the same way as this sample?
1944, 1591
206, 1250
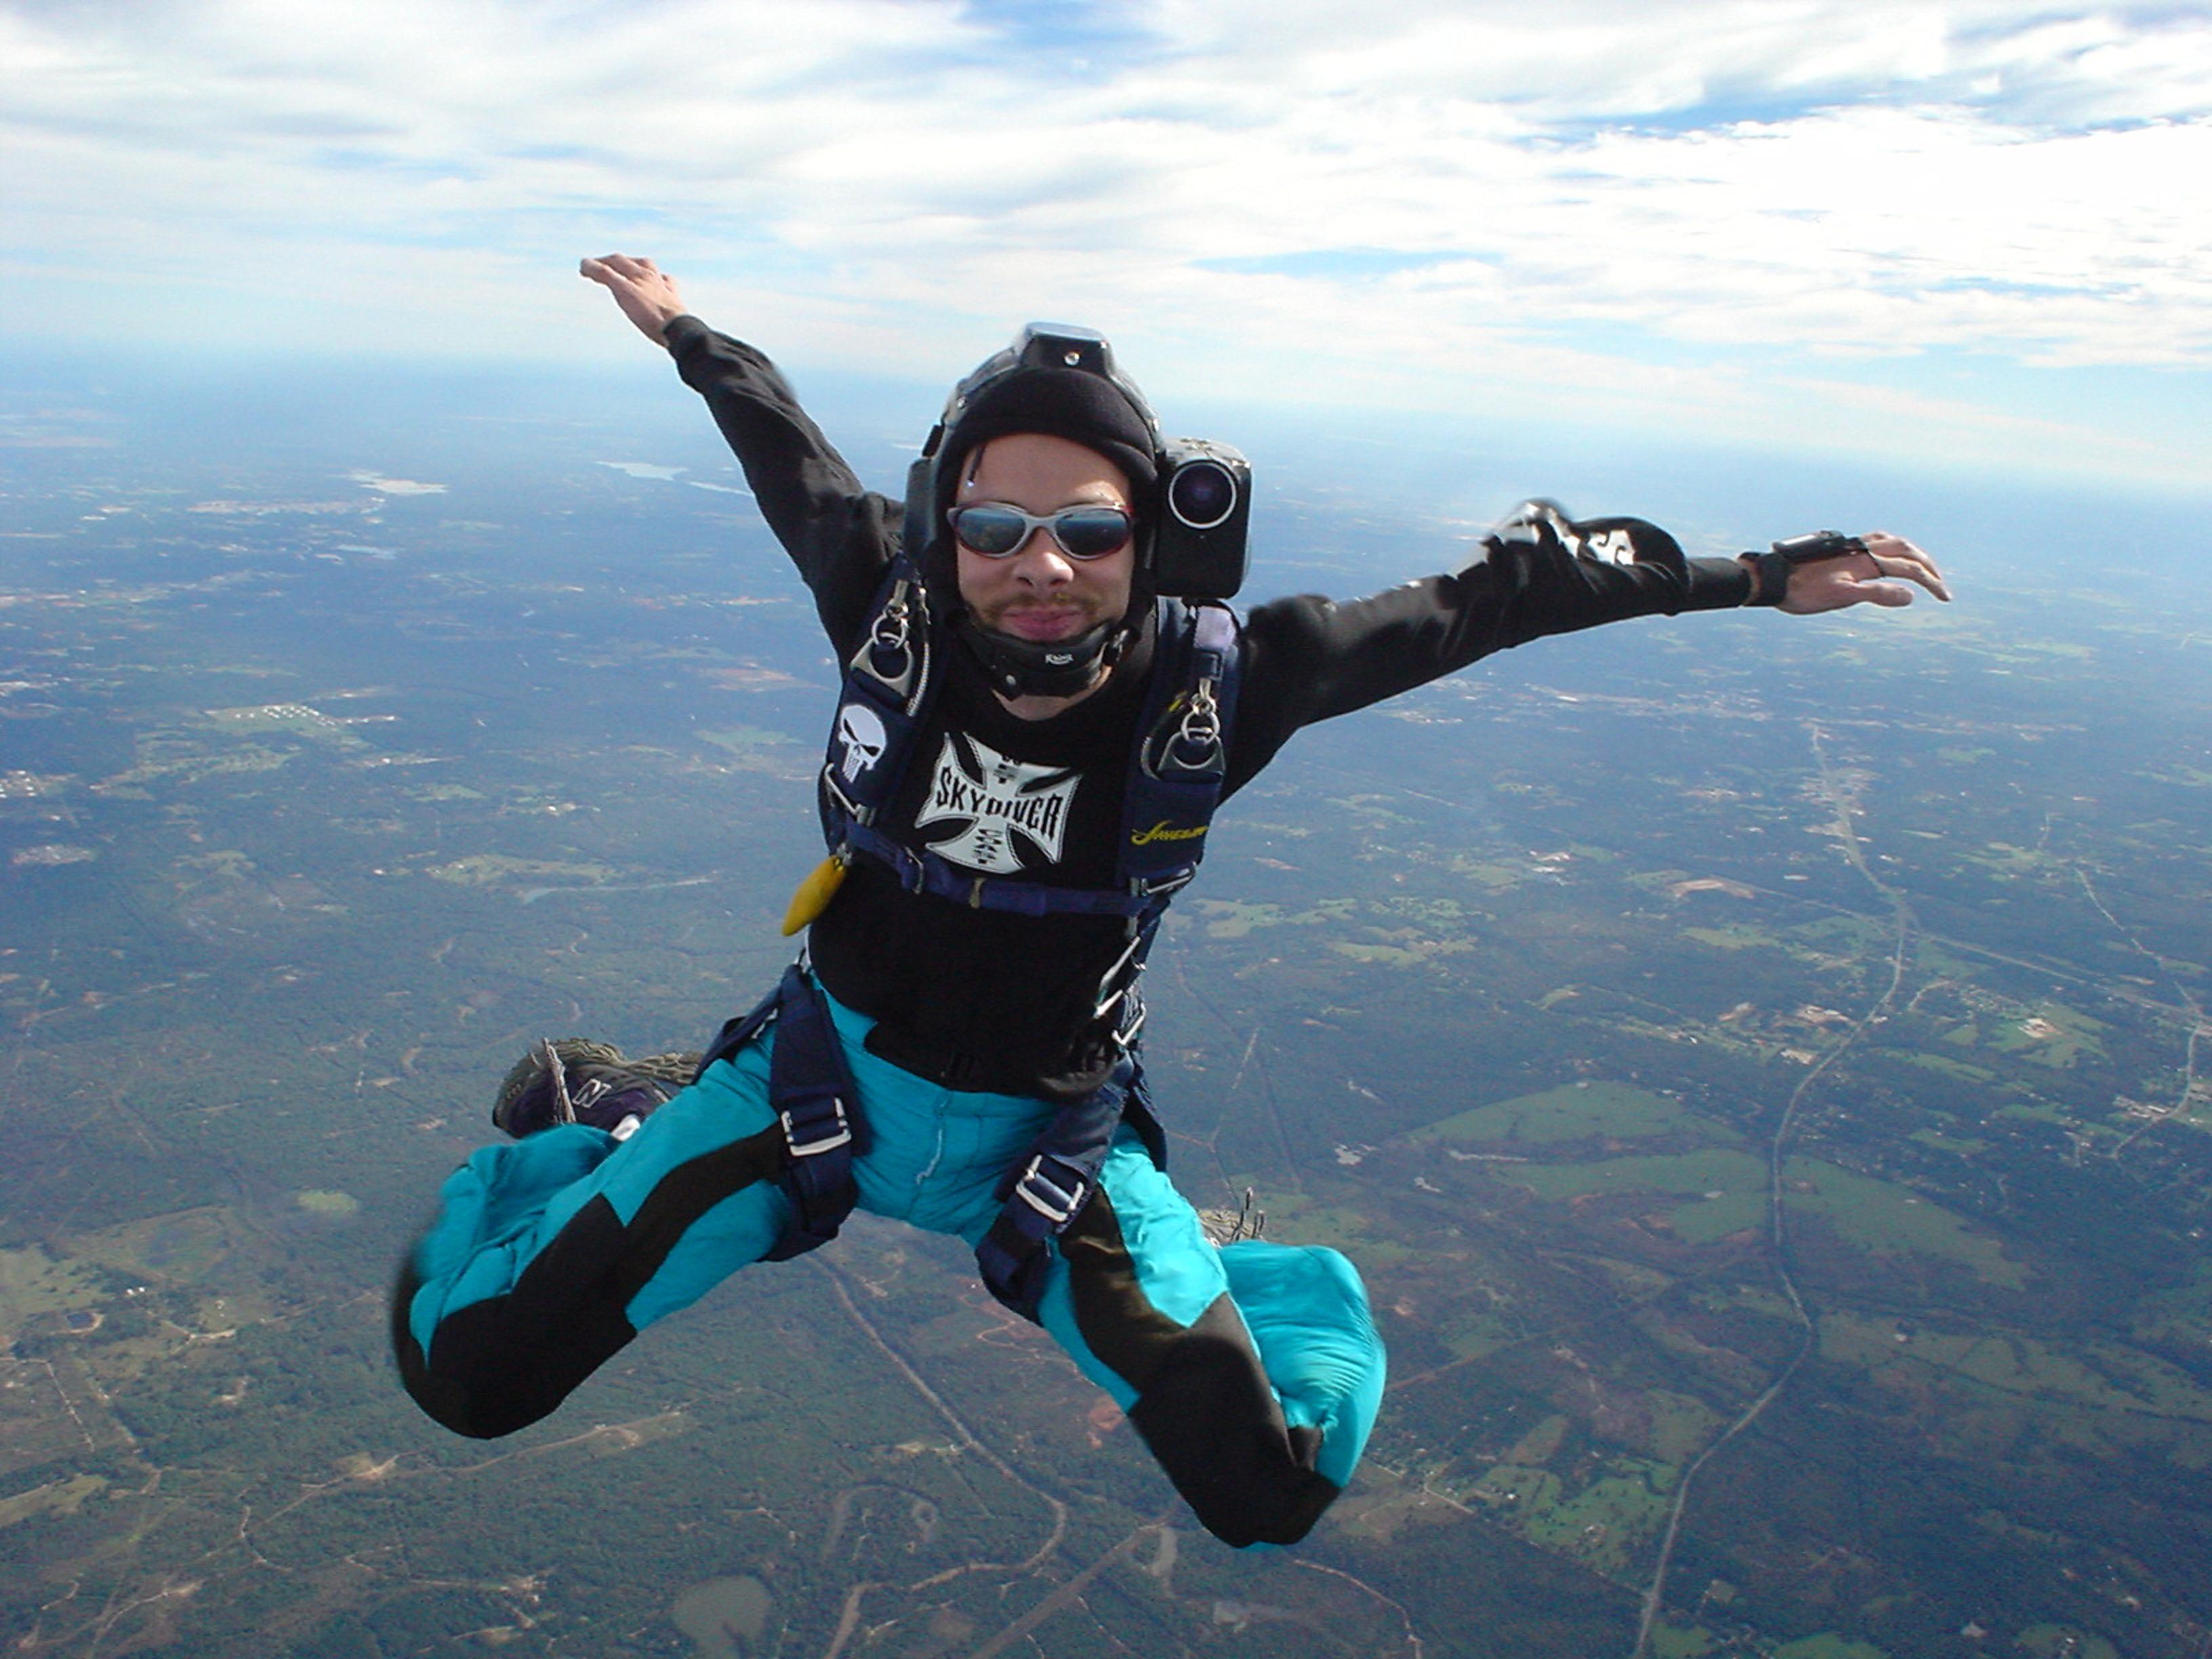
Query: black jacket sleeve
1308, 659
840, 535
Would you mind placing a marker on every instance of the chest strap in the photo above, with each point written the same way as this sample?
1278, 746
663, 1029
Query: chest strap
926, 872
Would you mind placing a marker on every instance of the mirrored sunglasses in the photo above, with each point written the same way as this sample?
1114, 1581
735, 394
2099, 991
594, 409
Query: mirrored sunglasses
995, 531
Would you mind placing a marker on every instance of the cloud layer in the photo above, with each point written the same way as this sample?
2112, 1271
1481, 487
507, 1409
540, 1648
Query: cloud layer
1674, 202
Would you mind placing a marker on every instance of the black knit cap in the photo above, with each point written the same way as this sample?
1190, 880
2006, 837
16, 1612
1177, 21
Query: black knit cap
1062, 402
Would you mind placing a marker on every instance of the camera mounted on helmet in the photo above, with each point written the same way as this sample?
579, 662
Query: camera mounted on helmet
1193, 498
1198, 545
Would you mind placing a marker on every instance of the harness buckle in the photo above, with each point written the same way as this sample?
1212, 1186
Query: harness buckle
913, 874
887, 655
1055, 1203
816, 1145
892, 627
842, 802
1188, 746
1201, 724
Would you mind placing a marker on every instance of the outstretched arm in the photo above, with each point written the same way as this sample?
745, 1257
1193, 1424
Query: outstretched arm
647, 296
1309, 658
838, 533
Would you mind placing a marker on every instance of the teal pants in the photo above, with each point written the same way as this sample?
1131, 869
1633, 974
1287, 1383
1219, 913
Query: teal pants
1254, 1372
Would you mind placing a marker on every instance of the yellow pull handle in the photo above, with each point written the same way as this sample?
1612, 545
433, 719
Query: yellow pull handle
813, 895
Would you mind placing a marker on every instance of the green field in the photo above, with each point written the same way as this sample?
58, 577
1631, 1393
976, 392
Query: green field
2100, 1377
33, 1282
1575, 1111
1888, 1220
1713, 1193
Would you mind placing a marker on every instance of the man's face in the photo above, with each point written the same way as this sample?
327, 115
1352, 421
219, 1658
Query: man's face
1037, 591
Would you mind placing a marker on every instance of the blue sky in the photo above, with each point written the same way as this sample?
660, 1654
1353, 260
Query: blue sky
1906, 233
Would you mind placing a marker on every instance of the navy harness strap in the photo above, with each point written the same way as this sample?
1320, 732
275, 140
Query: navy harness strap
738, 1031
925, 872
887, 690
1182, 759
1047, 1189
810, 1088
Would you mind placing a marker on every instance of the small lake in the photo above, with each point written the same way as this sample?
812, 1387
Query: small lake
725, 1617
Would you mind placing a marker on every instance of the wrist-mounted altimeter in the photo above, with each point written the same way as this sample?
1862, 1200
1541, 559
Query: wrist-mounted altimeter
1771, 569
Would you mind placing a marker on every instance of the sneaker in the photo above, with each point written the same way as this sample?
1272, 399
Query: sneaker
578, 1081
1225, 1227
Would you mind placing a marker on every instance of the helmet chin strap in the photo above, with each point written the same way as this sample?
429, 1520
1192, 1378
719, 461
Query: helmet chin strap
1042, 668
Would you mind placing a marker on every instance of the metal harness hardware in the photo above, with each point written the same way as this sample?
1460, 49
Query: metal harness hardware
806, 1143
1056, 1204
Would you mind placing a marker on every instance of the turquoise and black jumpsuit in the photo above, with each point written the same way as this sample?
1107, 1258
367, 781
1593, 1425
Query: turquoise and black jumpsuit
1252, 1373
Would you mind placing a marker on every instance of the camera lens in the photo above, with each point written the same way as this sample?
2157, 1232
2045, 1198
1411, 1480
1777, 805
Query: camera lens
1202, 493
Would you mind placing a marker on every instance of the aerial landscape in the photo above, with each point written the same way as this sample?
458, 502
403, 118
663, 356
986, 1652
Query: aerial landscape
1761, 1067
1760, 1064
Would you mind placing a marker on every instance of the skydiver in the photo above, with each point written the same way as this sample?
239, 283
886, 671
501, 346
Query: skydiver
1042, 706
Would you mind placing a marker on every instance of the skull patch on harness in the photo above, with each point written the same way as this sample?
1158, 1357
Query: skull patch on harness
860, 740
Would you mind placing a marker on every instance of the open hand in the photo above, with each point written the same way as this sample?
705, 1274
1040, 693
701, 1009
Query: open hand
1880, 575
647, 296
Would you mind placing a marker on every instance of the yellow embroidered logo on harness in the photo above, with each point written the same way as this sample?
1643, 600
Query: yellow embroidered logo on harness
1165, 831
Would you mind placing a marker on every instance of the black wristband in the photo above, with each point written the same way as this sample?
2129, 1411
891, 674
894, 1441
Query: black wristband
1771, 569
1770, 578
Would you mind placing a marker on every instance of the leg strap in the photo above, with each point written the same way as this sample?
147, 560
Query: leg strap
811, 1090
1047, 1189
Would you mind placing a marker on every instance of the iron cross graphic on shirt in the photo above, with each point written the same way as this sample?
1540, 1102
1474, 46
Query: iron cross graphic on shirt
996, 798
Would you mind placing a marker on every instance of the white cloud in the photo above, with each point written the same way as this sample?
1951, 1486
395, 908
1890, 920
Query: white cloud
1558, 196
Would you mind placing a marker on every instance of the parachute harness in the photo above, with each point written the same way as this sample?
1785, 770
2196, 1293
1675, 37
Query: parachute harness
1176, 769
